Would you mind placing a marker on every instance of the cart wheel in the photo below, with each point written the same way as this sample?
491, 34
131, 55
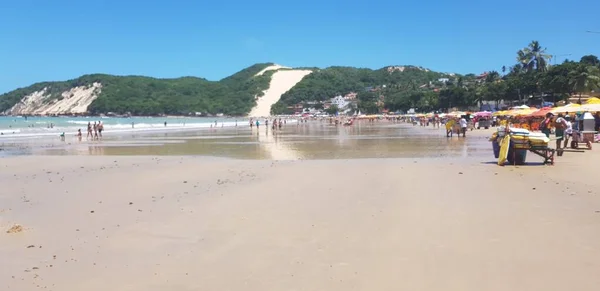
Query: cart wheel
479, 127
589, 145
574, 145
487, 128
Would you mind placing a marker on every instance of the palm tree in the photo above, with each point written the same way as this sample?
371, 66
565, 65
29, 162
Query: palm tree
492, 76
584, 78
533, 57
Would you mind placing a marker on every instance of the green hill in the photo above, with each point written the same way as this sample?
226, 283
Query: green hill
327, 83
234, 95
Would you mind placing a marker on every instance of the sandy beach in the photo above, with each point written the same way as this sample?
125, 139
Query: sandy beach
198, 223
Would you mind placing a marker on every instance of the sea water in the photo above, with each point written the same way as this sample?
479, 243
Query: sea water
19, 126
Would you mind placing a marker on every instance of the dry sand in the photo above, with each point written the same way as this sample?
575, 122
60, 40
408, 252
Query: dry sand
190, 223
281, 82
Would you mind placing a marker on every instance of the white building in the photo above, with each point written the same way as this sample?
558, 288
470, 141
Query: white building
340, 102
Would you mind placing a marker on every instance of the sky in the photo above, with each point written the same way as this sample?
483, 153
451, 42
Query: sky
42, 40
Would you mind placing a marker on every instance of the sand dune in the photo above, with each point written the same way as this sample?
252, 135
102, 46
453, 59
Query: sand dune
73, 101
271, 68
281, 82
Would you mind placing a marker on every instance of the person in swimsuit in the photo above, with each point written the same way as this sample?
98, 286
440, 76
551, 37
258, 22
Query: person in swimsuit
95, 127
89, 131
100, 128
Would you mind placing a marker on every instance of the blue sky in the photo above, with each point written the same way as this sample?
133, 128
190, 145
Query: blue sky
42, 40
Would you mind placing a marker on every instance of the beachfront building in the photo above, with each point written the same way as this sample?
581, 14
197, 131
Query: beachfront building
351, 96
340, 102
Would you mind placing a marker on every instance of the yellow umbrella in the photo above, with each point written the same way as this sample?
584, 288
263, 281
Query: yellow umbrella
593, 100
499, 113
524, 112
567, 108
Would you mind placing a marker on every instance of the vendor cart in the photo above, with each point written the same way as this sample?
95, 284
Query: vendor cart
586, 137
484, 122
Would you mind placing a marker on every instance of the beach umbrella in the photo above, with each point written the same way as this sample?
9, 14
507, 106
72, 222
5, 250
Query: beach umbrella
524, 112
567, 108
483, 114
499, 113
593, 100
541, 113
590, 107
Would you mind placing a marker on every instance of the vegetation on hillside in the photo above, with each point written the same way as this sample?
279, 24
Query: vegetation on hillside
531, 76
389, 88
324, 84
234, 95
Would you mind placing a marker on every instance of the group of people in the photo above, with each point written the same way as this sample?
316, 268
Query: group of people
451, 126
275, 123
93, 130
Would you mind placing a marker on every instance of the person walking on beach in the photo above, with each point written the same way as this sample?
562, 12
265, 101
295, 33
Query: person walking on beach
463, 126
257, 123
89, 131
79, 134
251, 123
165, 124
95, 131
450, 127
100, 129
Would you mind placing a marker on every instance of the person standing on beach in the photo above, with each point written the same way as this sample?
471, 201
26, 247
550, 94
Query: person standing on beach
560, 124
165, 124
79, 134
95, 131
89, 131
568, 130
257, 123
545, 124
251, 123
100, 128
463, 126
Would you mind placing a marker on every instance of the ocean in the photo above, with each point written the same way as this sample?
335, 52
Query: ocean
18, 126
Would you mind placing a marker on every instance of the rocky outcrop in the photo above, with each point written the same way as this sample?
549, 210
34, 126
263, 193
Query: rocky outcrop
74, 101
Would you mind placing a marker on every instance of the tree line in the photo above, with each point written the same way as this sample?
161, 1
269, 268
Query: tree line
530, 76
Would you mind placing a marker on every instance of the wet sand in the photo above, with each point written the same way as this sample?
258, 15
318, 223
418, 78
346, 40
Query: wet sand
197, 223
312, 140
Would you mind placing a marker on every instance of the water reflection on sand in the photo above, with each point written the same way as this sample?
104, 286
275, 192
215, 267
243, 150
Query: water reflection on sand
312, 140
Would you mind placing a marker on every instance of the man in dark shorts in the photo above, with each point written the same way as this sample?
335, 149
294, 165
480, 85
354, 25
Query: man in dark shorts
560, 124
